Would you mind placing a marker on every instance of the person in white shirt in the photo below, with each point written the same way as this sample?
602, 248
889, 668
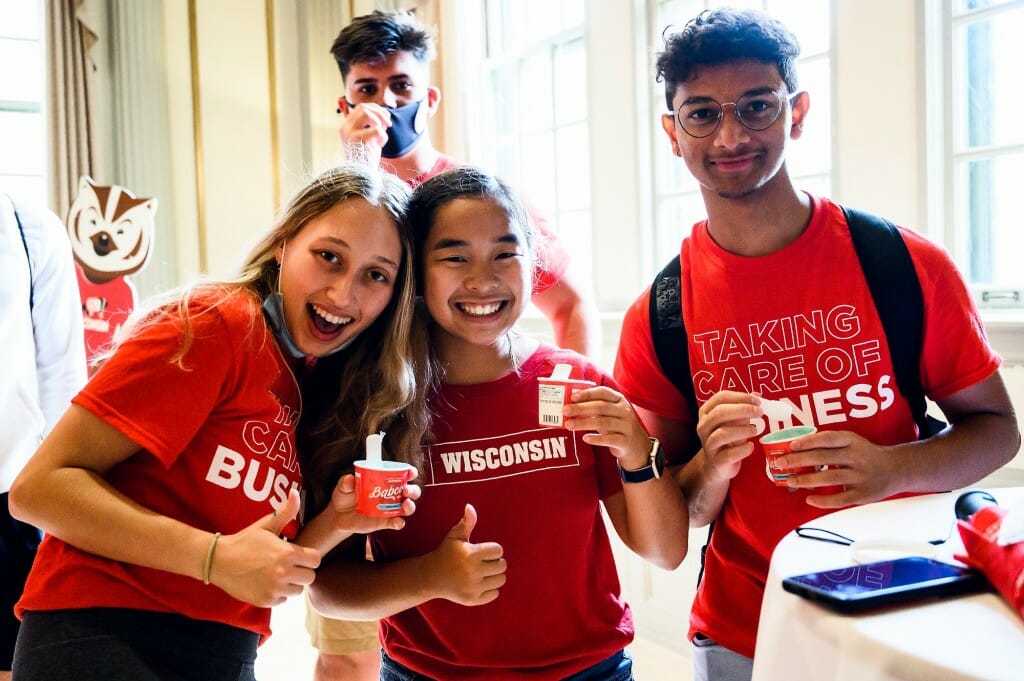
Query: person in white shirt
41, 328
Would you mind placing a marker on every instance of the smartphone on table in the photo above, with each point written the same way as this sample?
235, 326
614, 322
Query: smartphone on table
884, 583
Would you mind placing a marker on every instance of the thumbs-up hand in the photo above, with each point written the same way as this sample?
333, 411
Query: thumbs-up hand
467, 573
258, 567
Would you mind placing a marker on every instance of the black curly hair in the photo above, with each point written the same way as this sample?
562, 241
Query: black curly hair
723, 35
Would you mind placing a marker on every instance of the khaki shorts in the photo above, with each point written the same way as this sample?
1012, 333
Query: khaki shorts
340, 637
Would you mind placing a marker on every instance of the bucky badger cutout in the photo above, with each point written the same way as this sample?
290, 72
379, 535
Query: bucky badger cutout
111, 233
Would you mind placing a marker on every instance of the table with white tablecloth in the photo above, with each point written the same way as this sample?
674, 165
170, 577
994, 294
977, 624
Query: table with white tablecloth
965, 637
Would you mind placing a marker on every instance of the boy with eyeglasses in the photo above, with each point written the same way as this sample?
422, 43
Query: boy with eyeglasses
775, 305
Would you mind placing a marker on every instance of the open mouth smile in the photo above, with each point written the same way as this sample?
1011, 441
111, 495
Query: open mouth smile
325, 322
481, 309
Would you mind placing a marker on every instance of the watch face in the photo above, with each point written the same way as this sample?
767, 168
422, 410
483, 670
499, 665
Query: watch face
659, 458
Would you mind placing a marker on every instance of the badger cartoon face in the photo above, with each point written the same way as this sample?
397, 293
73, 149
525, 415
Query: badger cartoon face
111, 230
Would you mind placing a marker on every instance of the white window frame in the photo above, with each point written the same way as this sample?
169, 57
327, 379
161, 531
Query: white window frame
1000, 302
518, 141
34, 107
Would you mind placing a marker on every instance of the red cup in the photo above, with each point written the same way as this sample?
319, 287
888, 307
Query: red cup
380, 486
553, 394
778, 444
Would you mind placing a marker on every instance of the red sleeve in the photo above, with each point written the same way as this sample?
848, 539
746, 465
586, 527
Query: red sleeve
950, 318
152, 400
551, 256
637, 370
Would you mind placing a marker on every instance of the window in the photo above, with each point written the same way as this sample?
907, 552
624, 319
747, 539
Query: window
559, 98
22, 129
980, 147
677, 200
536, 111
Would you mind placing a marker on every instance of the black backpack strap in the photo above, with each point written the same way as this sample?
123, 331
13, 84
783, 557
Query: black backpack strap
668, 332
668, 335
671, 347
28, 256
896, 292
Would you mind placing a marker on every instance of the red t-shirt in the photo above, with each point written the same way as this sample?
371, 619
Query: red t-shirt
753, 326
537, 492
552, 257
217, 452
105, 307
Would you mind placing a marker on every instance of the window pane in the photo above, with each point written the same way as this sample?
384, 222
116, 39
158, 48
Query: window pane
519, 26
676, 217
534, 93
991, 215
506, 161
570, 83
574, 231
574, 13
675, 13
25, 82
573, 154
537, 158
23, 140
818, 185
960, 6
19, 19
990, 95
672, 173
812, 153
808, 20
505, 100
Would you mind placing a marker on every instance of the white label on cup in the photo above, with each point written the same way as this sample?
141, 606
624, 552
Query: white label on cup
551, 397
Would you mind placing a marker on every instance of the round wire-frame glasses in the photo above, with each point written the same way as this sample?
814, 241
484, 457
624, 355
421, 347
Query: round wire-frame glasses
755, 111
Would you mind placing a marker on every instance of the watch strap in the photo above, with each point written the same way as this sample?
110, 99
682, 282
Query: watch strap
653, 469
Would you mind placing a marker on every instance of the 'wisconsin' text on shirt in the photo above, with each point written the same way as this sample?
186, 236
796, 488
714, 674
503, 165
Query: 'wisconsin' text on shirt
503, 456
511, 454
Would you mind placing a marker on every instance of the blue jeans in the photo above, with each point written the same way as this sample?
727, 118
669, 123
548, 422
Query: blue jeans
618, 667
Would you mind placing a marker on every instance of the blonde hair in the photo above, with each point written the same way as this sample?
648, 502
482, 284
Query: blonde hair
379, 381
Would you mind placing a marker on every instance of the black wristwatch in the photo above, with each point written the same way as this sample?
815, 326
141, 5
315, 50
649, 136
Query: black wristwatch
653, 469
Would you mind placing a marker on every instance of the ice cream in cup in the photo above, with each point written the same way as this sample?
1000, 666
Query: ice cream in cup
778, 444
380, 484
555, 391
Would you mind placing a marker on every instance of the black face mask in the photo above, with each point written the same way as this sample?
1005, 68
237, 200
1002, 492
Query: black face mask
405, 131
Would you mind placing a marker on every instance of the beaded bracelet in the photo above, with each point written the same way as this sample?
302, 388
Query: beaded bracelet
208, 563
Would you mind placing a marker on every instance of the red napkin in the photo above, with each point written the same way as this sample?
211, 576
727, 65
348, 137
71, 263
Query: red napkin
1003, 565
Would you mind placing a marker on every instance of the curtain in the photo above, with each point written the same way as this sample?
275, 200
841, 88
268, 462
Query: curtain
70, 36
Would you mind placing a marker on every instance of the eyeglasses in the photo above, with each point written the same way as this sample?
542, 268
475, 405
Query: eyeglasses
755, 111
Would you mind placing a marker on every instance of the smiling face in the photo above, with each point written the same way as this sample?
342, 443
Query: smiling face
338, 274
734, 161
476, 273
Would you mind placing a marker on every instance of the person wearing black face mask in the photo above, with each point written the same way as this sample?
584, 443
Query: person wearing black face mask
408, 122
384, 59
